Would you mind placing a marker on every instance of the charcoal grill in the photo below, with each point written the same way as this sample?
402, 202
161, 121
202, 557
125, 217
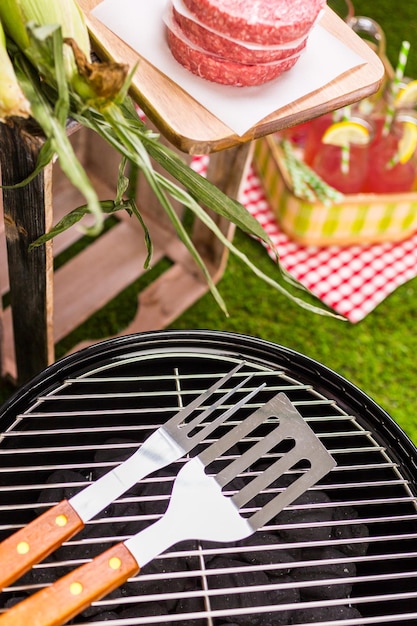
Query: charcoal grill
343, 554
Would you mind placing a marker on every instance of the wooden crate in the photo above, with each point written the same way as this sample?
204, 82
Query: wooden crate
46, 305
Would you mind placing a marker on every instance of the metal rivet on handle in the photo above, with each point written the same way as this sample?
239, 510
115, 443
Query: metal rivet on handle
61, 520
23, 547
76, 589
115, 563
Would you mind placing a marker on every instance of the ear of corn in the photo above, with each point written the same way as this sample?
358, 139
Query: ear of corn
91, 81
16, 14
12, 99
13, 22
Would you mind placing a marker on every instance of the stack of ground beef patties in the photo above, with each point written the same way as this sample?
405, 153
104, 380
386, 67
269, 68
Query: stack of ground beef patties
239, 42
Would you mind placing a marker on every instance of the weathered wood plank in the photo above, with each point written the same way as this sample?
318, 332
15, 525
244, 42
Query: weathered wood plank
27, 214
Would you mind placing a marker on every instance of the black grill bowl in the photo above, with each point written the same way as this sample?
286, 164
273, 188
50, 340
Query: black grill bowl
344, 553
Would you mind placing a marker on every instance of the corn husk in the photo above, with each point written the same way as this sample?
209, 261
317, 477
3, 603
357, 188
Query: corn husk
92, 81
16, 14
12, 99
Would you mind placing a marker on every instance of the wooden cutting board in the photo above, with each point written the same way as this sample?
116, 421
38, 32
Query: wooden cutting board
191, 128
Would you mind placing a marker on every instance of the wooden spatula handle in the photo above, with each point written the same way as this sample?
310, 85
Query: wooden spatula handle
36, 540
71, 594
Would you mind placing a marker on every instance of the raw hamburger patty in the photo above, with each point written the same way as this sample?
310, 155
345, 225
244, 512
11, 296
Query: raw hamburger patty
232, 50
223, 71
267, 22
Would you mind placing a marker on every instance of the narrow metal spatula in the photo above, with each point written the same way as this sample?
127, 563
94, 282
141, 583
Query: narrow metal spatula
167, 444
197, 510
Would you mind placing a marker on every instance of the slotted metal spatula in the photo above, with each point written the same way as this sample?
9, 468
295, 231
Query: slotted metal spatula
197, 510
169, 443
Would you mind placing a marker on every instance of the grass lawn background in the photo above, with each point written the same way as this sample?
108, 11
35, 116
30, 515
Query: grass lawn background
377, 354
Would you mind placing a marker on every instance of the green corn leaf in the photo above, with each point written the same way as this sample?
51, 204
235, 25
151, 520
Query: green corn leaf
206, 192
53, 68
53, 126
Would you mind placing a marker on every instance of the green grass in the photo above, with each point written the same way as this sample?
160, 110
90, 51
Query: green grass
377, 354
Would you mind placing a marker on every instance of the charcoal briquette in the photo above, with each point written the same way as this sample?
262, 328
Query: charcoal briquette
143, 609
59, 492
212, 549
73, 550
326, 613
218, 464
160, 581
310, 518
189, 554
129, 522
265, 555
333, 571
45, 574
113, 454
93, 610
187, 605
154, 493
234, 580
10, 602
353, 537
105, 616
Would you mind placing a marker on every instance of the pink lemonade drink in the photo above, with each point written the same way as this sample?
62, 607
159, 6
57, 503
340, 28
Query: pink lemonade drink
327, 163
297, 134
385, 174
340, 154
316, 130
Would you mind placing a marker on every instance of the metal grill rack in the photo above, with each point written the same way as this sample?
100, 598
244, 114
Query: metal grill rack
343, 554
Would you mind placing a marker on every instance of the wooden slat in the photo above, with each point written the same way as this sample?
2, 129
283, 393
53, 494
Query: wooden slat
4, 274
93, 277
26, 217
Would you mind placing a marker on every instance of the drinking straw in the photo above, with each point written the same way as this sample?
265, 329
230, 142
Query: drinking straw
345, 162
325, 193
395, 85
306, 183
301, 188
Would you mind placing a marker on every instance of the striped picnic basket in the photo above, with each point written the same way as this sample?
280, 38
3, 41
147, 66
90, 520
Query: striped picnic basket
356, 219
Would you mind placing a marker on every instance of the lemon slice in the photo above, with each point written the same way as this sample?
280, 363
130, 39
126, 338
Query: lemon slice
407, 96
346, 132
408, 142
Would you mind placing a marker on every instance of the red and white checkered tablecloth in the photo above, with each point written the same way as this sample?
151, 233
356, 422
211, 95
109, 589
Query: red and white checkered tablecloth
350, 280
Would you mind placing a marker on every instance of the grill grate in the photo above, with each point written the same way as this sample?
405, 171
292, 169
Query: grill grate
344, 553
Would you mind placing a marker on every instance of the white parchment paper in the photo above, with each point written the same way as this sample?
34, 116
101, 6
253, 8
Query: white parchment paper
140, 24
